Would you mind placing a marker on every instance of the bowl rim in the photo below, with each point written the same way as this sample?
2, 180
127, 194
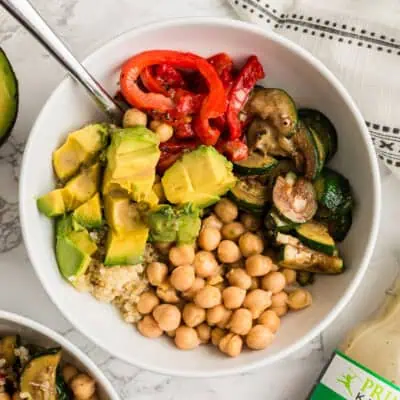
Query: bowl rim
92, 368
375, 182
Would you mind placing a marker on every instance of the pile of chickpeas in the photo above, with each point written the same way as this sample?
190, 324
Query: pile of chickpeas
225, 289
82, 385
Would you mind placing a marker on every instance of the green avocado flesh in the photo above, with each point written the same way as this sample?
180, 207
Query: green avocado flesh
199, 177
89, 214
8, 97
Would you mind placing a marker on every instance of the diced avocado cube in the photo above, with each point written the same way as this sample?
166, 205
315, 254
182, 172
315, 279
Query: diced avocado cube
189, 224
89, 213
52, 203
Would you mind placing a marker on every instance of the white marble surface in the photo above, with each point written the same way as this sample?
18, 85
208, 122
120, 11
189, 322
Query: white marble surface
85, 24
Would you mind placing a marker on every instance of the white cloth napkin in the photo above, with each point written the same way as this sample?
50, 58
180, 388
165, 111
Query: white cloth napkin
359, 41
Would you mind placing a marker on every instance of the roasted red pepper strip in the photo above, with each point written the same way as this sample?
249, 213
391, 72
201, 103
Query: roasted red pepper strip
187, 102
213, 106
239, 93
234, 150
170, 76
176, 146
223, 64
166, 160
151, 83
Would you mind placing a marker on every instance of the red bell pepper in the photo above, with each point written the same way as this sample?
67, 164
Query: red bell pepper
187, 102
213, 105
176, 146
234, 150
171, 77
166, 160
239, 93
223, 64
151, 83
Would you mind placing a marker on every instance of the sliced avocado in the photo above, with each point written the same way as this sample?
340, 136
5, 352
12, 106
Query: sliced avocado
82, 187
132, 158
80, 147
8, 97
163, 224
52, 203
40, 372
189, 224
73, 249
126, 248
199, 177
89, 214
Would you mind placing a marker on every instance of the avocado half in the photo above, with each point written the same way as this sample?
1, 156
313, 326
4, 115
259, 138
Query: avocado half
8, 97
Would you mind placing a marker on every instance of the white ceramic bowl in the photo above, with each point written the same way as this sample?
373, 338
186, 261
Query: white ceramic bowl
287, 66
35, 333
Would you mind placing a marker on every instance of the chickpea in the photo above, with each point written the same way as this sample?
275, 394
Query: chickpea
250, 222
231, 345
299, 299
275, 282
290, 275
241, 321
156, 273
83, 386
215, 280
186, 338
193, 315
162, 130
228, 251
167, 293
250, 244
134, 117
226, 210
167, 316
205, 264
182, 255
269, 319
204, 333
68, 372
163, 247
239, 277
258, 265
233, 297
198, 284
147, 301
171, 334
255, 283
259, 337
208, 297
182, 278
280, 311
217, 315
209, 238
232, 231
257, 301
148, 327
279, 299
212, 222
223, 323
216, 335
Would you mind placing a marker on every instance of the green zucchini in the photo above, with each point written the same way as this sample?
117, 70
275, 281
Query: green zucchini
40, 372
8, 344
320, 149
274, 222
333, 193
255, 164
294, 198
323, 127
308, 159
63, 391
316, 236
340, 226
305, 259
305, 278
249, 194
276, 106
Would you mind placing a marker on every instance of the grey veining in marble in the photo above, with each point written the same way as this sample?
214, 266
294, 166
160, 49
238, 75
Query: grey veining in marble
84, 25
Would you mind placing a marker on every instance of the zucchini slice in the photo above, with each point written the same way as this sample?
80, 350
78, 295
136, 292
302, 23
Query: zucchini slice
340, 226
7, 346
275, 223
294, 198
276, 106
255, 164
304, 259
307, 147
323, 127
316, 236
320, 149
38, 377
305, 278
333, 193
249, 194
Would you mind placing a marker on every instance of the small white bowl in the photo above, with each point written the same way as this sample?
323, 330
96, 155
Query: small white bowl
287, 66
35, 333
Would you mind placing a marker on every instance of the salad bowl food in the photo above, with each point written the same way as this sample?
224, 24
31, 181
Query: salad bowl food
39, 362
216, 246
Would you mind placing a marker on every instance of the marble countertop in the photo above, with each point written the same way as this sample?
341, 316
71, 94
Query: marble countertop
84, 25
